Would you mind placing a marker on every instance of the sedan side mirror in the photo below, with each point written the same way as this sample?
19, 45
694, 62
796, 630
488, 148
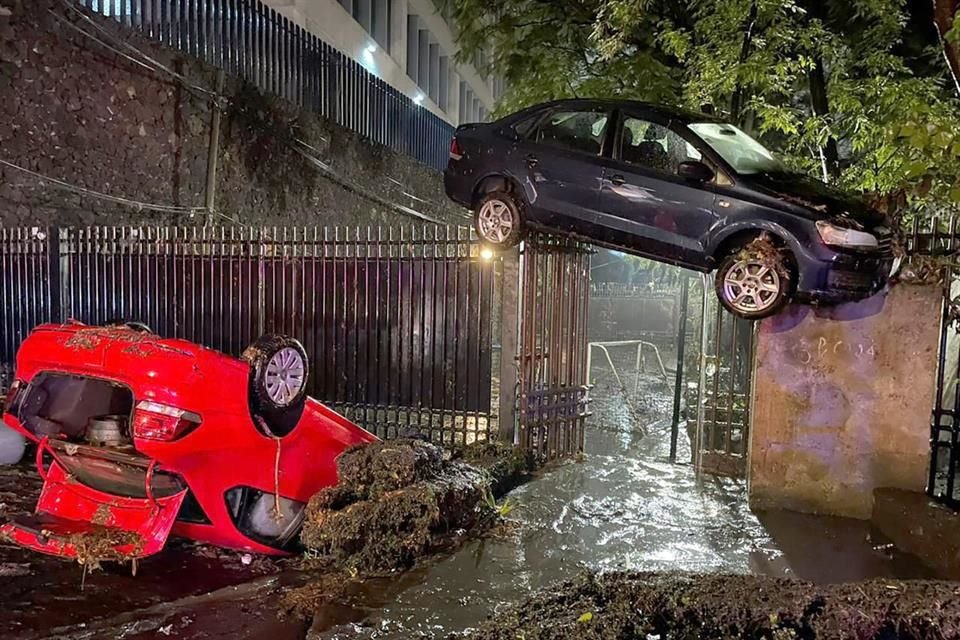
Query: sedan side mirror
695, 171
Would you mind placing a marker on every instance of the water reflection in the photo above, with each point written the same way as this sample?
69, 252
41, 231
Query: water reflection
624, 507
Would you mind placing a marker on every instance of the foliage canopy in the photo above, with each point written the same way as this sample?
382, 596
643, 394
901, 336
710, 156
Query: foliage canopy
854, 91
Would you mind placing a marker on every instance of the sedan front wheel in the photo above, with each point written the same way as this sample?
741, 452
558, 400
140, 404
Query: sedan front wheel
754, 282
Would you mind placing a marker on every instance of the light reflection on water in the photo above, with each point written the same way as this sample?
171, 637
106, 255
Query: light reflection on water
624, 507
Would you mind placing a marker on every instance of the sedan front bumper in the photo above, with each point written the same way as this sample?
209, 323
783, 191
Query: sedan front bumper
845, 278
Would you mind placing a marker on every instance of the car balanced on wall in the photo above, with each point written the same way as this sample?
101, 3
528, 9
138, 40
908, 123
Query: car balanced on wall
675, 186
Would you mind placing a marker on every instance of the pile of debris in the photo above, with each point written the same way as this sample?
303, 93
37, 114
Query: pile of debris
396, 501
688, 607
508, 466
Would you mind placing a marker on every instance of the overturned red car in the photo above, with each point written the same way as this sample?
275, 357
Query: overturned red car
144, 436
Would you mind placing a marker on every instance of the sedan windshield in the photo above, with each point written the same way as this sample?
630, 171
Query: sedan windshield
743, 153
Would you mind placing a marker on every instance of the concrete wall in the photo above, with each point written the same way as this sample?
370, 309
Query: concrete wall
842, 402
72, 110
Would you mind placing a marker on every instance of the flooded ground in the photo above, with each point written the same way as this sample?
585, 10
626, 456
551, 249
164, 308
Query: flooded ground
624, 506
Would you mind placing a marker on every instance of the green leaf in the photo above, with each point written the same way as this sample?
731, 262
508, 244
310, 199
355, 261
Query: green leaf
955, 194
916, 169
586, 617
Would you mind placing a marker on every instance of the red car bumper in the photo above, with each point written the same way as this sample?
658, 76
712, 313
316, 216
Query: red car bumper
70, 516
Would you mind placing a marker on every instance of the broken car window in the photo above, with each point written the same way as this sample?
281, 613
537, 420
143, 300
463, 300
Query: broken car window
743, 153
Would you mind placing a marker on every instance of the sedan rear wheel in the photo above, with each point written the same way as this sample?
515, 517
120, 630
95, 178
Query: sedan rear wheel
754, 284
498, 220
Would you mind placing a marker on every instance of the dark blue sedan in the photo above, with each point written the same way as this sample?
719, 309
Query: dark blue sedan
674, 186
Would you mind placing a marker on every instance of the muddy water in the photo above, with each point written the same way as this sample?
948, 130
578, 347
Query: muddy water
623, 506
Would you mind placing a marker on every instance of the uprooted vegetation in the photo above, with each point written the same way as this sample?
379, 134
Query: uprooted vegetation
689, 607
507, 466
397, 502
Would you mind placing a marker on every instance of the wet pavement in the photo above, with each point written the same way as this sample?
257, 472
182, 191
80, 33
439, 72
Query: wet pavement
624, 506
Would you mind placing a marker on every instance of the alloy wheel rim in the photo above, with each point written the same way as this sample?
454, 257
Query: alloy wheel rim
285, 376
495, 221
751, 286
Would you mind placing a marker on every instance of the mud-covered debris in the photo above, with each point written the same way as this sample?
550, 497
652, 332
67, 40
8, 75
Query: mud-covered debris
371, 471
105, 544
508, 466
768, 252
305, 601
689, 607
14, 569
396, 501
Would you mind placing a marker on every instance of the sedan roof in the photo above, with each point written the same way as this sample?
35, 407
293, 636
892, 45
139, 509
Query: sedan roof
683, 115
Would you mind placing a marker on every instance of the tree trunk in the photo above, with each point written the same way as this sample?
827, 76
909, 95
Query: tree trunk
737, 100
943, 14
829, 155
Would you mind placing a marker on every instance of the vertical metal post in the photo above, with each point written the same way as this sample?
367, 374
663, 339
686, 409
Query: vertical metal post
214, 150
53, 272
678, 379
704, 358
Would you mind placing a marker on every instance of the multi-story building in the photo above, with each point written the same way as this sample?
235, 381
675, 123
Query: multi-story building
408, 43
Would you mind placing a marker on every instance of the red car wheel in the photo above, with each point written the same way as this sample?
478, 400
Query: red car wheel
278, 378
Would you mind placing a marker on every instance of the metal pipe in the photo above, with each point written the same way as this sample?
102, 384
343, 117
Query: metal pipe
703, 379
678, 378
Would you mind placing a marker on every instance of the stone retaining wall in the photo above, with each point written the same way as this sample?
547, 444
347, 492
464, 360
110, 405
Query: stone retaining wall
72, 110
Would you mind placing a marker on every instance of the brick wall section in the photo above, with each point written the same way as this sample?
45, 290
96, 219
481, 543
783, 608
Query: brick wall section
842, 400
73, 110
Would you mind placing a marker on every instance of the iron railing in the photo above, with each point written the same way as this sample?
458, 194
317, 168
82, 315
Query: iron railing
714, 382
555, 295
252, 41
396, 321
939, 238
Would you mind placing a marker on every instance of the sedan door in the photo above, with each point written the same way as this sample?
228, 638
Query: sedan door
563, 162
645, 206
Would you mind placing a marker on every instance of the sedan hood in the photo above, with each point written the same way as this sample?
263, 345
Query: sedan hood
819, 200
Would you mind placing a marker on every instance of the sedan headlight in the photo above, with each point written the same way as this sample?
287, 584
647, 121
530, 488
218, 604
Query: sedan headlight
835, 236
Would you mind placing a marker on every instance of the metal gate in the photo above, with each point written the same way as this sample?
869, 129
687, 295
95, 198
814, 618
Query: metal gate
718, 350
554, 296
396, 321
941, 239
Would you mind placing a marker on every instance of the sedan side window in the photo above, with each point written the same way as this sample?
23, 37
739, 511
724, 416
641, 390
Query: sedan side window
575, 130
653, 146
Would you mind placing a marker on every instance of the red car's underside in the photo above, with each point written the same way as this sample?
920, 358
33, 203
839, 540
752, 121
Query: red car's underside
216, 477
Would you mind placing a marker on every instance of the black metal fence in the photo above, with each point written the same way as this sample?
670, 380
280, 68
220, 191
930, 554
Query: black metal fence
396, 321
252, 41
25, 290
939, 239
554, 299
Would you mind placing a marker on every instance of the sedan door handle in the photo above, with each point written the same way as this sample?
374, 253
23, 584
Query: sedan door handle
532, 160
618, 179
